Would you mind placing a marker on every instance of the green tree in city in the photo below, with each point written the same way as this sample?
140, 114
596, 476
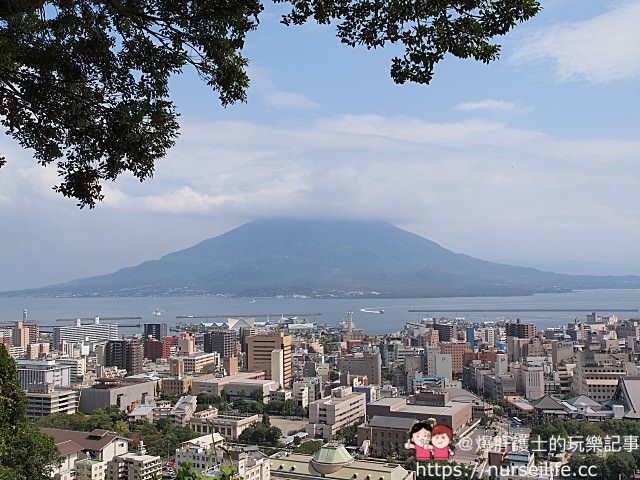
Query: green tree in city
84, 84
308, 448
25, 452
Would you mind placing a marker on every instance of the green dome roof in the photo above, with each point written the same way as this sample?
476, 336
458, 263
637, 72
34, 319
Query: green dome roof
331, 458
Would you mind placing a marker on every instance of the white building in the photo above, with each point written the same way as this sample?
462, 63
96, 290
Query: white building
42, 371
134, 466
203, 453
89, 333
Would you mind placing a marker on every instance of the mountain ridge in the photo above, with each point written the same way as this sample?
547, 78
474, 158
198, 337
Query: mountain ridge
324, 258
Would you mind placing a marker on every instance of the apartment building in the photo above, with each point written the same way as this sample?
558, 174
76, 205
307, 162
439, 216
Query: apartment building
88, 333
126, 354
134, 466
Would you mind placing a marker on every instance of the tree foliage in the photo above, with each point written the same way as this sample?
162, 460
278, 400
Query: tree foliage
25, 453
260, 434
85, 83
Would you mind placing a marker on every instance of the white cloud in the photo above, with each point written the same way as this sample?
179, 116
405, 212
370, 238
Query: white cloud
479, 187
289, 100
264, 87
488, 104
598, 50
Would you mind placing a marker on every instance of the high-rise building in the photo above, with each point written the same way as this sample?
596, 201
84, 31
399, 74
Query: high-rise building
521, 330
456, 350
95, 332
20, 335
222, 341
259, 348
471, 337
446, 331
126, 353
157, 330
369, 364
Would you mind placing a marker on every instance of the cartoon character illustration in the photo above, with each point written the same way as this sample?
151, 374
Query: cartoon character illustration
419, 437
441, 437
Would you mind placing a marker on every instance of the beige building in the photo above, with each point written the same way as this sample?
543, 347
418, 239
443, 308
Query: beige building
456, 350
259, 348
230, 426
216, 385
44, 400
134, 466
90, 469
194, 363
342, 409
596, 375
176, 386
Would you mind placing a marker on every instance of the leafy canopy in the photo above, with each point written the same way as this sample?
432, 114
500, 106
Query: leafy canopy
25, 452
84, 83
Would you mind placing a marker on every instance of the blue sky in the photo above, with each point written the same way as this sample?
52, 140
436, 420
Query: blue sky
532, 159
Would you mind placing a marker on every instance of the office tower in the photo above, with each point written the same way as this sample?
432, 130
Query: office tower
221, 341
259, 348
157, 330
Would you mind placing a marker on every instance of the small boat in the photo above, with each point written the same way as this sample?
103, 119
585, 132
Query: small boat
157, 313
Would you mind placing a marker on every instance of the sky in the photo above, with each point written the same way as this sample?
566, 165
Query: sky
531, 160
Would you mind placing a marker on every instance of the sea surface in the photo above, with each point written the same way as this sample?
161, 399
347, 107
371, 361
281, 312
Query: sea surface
561, 308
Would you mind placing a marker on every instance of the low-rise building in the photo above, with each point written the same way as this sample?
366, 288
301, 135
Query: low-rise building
134, 466
229, 425
44, 400
123, 393
98, 444
90, 469
176, 386
456, 415
197, 362
183, 410
199, 452
386, 435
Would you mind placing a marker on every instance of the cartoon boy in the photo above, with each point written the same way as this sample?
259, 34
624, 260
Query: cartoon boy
441, 437
419, 437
